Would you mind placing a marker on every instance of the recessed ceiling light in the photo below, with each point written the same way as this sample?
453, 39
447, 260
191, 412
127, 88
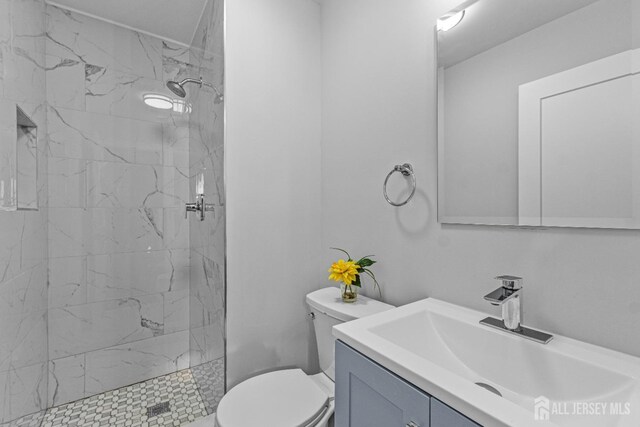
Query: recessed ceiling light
449, 21
156, 100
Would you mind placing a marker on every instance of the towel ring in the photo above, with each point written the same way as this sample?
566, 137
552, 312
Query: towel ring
406, 170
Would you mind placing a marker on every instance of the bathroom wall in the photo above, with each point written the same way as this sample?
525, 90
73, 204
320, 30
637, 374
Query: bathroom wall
118, 240
207, 238
23, 247
273, 117
379, 110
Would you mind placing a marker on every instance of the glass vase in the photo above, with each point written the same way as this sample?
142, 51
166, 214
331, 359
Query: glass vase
349, 293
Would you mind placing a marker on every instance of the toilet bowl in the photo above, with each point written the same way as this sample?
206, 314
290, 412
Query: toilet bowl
291, 398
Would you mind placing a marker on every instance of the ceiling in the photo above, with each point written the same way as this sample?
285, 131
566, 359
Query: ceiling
488, 23
174, 20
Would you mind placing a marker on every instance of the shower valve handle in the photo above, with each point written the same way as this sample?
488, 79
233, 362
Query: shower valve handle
199, 206
190, 207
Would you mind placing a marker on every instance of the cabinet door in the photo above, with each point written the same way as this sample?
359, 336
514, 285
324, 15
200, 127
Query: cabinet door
368, 395
444, 416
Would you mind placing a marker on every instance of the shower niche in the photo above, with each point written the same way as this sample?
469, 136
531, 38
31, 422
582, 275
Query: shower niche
19, 163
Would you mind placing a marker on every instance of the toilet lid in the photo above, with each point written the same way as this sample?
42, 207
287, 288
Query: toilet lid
286, 398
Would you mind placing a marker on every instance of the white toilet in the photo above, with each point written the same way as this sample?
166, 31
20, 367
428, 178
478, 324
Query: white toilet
291, 398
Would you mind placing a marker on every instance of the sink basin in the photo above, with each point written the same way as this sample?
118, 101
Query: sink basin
495, 378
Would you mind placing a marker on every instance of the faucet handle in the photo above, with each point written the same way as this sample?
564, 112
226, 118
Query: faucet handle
510, 282
190, 207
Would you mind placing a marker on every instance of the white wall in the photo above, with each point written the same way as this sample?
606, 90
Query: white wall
379, 110
273, 76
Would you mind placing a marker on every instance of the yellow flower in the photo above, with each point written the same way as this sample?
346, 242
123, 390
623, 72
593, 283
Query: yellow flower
343, 271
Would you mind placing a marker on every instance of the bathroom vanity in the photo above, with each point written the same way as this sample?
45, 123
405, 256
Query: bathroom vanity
433, 363
369, 395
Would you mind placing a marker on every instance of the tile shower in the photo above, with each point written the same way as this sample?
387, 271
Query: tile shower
106, 284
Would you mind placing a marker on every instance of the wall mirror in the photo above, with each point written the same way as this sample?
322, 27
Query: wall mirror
539, 113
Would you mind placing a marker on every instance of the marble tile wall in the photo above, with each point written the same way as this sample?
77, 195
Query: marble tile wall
109, 239
23, 234
119, 177
207, 239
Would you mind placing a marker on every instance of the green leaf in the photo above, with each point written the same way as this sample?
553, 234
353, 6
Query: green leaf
342, 250
366, 262
357, 281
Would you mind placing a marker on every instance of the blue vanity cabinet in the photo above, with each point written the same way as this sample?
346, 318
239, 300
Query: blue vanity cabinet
444, 416
368, 395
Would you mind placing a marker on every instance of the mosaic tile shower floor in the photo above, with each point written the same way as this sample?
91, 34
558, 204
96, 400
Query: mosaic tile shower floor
128, 406
210, 379
191, 394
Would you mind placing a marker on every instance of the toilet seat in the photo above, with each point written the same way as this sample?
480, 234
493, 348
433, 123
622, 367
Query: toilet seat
288, 398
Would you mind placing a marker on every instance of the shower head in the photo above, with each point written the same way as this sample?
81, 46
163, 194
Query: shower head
177, 88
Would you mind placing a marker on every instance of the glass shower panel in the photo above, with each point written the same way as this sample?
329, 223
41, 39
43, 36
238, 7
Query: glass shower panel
119, 243
207, 252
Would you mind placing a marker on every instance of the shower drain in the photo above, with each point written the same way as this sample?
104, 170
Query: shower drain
490, 388
160, 408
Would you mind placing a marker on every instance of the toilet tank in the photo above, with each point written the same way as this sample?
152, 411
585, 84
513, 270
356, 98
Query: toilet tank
328, 310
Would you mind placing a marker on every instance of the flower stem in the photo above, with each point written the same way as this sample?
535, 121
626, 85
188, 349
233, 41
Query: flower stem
375, 282
342, 250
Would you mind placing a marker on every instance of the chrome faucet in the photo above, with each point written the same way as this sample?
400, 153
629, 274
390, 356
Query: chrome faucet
509, 298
